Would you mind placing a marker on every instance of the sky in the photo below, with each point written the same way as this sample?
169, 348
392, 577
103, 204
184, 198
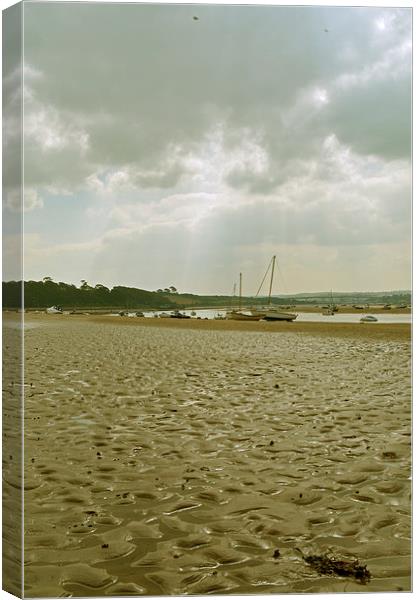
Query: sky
162, 149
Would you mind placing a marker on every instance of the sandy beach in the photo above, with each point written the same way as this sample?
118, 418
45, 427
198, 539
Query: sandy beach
202, 457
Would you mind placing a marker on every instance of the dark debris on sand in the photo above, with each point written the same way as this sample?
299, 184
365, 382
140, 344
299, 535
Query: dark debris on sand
327, 565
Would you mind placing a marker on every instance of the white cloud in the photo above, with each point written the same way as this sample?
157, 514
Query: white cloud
395, 63
51, 131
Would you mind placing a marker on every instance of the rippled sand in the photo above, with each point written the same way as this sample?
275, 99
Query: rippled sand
173, 460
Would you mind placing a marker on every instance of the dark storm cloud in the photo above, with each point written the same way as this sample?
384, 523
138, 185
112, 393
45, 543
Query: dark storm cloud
138, 80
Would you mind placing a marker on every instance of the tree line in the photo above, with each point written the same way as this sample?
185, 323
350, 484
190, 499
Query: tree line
45, 293
41, 294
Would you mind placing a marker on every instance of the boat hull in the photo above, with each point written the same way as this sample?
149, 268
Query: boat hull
239, 316
279, 316
368, 319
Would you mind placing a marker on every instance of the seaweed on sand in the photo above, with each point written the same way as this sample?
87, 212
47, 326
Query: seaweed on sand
328, 565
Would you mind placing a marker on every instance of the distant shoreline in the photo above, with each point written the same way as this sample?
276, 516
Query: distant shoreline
378, 309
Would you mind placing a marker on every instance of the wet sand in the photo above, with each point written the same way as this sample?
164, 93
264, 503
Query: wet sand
370, 331
177, 457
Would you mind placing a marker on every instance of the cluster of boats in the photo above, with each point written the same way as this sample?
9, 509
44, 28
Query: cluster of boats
175, 314
258, 314
253, 314
266, 313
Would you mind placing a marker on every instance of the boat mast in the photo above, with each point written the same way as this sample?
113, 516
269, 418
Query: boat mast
234, 293
271, 278
240, 290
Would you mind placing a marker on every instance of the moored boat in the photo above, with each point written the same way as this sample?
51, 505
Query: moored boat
54, 310
219, 317
272, 313
176, 314
241, 314
277, 315
368, 319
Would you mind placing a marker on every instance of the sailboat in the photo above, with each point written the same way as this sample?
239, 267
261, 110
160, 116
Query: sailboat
241, 315
330, 310
271, 313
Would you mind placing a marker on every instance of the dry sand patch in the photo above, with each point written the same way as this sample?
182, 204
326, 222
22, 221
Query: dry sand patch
178, 460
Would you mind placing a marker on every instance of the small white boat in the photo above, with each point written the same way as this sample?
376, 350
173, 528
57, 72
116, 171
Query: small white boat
368, 319
164, 315
54, 310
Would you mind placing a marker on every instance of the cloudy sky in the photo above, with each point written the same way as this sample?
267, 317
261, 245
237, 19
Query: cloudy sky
162, 150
